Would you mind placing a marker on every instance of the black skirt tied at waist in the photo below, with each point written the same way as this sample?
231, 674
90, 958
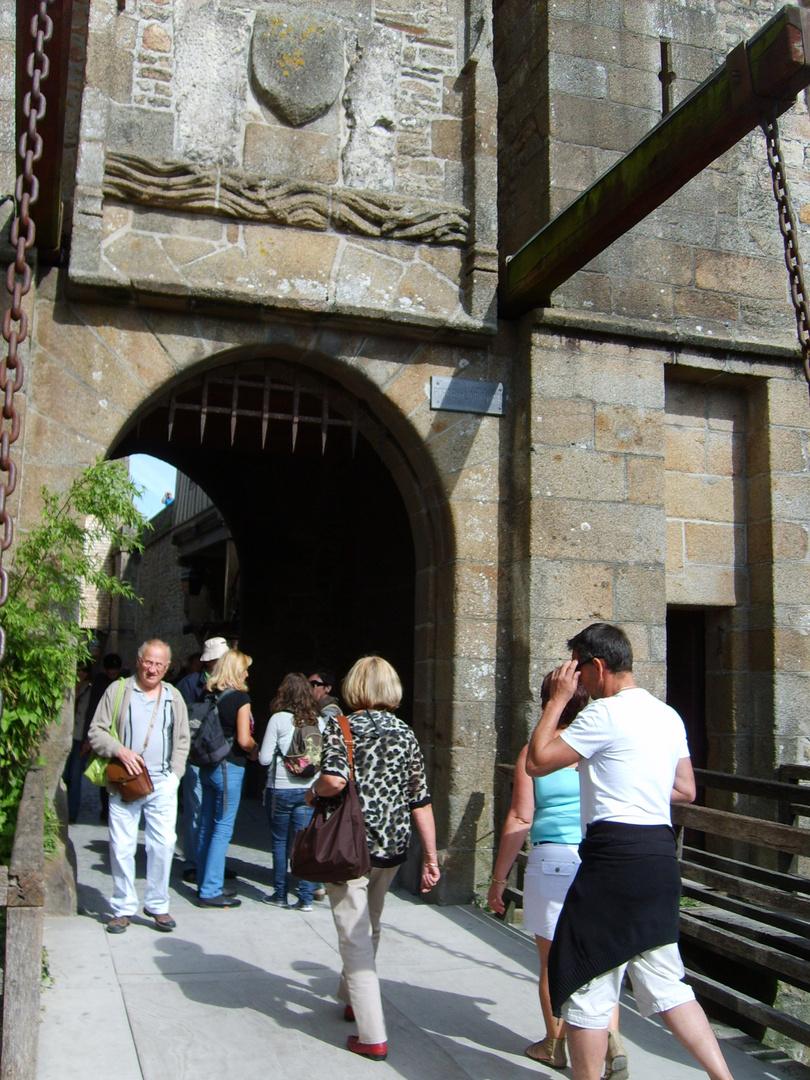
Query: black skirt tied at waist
623, 901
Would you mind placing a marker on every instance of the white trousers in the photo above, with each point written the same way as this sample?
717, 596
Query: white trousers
160, 817
357, 908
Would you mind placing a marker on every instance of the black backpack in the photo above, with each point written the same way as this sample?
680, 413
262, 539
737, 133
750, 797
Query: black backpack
208, 743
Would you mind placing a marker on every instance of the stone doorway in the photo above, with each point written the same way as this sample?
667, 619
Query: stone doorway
294, 464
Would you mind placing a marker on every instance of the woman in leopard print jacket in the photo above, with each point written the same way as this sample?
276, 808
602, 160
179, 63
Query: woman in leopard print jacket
390, 779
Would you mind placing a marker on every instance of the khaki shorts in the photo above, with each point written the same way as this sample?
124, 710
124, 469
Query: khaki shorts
656, 977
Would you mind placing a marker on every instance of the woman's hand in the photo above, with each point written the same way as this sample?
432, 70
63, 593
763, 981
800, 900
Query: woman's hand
430, 872
495, 897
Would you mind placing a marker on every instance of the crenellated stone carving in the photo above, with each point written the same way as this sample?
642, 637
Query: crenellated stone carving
188, 187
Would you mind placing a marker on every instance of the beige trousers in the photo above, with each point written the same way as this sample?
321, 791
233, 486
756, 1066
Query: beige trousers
356, 908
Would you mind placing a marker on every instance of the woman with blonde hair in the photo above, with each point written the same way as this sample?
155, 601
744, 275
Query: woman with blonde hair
294, 707
222, 783
389, 774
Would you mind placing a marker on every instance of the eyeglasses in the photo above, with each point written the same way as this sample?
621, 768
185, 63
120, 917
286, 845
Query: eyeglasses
583, 663
151, 665
316, 682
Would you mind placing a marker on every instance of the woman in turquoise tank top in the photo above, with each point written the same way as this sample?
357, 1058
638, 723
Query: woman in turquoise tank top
547, 809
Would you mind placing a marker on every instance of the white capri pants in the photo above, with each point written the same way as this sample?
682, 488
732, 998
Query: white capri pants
550, 870
656, 977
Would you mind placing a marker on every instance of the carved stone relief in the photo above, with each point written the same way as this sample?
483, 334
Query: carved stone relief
190, 188
296, 62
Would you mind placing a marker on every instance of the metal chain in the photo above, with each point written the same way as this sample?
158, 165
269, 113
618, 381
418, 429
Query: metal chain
787, 226
18, 280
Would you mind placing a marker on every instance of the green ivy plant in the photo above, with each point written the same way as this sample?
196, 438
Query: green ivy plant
53, 565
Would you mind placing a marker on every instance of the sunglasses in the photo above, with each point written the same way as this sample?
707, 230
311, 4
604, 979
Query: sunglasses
316, 682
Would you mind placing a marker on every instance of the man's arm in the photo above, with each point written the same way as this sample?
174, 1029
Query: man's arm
683, 788
549, 753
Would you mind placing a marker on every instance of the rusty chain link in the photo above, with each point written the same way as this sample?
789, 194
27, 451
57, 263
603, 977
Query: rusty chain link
18, 279
787, 226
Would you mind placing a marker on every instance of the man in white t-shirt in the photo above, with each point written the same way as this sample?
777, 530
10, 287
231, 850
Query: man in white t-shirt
621, 913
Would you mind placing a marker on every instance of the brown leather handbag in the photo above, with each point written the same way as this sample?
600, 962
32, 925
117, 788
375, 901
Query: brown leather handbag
129, 787
333, 847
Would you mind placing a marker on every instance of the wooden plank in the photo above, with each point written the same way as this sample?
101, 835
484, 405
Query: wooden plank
749, 1007
773, 65
749, 830
750, 785
737, 886
745, 920
21, 1004
26, 872
793, 772
765, 958
747, 871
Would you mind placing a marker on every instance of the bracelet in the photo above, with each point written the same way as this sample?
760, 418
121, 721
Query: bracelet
497, 881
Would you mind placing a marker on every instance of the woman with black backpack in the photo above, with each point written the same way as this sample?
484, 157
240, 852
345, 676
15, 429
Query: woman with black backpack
292, 748
222, 783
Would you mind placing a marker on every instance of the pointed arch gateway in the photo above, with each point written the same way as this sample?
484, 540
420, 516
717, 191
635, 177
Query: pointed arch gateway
334, 518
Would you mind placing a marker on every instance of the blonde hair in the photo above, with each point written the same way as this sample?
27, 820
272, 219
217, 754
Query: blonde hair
372, 684
228, 672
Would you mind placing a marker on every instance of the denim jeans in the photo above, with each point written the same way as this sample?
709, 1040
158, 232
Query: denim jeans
289, 814
74, 770
216, 825
192, 808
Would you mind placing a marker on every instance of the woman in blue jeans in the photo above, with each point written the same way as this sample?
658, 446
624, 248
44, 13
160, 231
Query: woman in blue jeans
294, 706
222, 784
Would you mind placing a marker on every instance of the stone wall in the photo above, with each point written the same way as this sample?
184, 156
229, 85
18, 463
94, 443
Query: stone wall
302, 158
710, 260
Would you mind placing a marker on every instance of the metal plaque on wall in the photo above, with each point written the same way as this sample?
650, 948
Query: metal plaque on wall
466, 395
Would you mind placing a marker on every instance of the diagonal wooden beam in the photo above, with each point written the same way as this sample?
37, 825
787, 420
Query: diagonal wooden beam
760, 79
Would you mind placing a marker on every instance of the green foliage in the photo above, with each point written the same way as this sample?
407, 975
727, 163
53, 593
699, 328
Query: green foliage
53, 565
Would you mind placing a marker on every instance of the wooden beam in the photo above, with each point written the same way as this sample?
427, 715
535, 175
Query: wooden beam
749, 830
749, 1007
760, 78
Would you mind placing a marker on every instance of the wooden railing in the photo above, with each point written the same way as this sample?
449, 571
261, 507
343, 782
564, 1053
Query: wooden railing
22, 893
750, 907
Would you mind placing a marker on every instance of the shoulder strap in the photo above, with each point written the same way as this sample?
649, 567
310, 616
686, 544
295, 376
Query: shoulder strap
347, 735
119, 696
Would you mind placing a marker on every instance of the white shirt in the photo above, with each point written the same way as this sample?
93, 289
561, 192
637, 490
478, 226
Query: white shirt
631, 743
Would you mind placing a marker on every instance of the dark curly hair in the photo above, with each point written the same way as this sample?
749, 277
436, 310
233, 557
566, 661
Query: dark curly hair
295, 696
574, 706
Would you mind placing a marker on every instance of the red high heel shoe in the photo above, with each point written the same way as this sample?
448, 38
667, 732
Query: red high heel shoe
374, 1051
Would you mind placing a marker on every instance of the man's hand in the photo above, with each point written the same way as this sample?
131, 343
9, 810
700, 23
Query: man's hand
564, 682
131, 761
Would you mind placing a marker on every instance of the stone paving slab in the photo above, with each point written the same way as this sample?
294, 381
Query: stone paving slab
250, 991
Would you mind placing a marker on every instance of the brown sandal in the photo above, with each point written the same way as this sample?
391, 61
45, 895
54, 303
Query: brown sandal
548, 1052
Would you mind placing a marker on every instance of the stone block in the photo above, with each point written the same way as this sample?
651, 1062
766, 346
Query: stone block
792, 650
155, 39
288, 152
725, 453
724, 272
562, 422
577, 76
140, 131
578, 39
717, 544
560, 470
572, 590
593, 122
685, 448
787, 402
602, 532
638, 594
789, 540
703, 586
707, 498
645, 480
475, 590
585, 291
705, 307
596, 372
686, 404
423, 291
629, 86
676, 547
628, 430
636, 298
791, 497
446, 138
573, 167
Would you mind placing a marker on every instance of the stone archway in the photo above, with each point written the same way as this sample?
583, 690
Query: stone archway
301, 471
